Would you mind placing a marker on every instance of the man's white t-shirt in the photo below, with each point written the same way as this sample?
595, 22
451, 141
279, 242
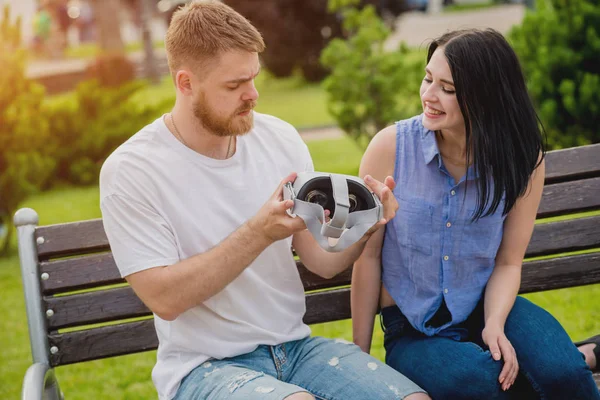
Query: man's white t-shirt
162, 202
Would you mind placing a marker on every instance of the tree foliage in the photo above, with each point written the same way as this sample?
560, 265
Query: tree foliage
559, 48
296, 31
366, 82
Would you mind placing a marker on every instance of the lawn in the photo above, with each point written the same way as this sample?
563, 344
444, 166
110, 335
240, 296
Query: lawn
292, 99
128, 377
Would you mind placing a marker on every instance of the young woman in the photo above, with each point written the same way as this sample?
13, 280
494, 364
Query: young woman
469, 175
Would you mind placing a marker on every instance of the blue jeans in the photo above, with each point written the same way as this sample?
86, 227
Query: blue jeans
550, 365
328, 369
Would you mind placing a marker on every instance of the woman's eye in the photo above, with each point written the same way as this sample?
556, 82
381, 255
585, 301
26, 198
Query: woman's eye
426, 79
449, 91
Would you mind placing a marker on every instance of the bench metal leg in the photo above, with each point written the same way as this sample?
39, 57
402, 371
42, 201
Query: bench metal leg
40, 384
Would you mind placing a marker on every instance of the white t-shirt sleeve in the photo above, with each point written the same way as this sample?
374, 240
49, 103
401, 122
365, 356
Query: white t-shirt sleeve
308, 163
139, 237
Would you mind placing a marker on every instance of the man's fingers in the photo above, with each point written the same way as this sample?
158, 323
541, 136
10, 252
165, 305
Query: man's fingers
278, 194
284, 205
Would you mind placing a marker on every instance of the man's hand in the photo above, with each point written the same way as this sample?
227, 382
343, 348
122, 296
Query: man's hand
500, 347
272, 222
383, 190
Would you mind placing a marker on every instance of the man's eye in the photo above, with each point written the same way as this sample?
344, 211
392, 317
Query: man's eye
233, 87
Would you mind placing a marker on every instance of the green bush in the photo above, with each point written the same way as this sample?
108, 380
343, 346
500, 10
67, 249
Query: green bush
366, 81
559, 48
24, 163
90, 123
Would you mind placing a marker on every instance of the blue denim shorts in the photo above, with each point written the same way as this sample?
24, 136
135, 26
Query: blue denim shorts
327, 369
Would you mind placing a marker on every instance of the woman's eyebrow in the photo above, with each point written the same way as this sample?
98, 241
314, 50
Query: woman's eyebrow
443, 80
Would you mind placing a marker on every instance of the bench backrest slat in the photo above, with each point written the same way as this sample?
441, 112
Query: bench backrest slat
573, 164
70, 239
570, 197
98, 270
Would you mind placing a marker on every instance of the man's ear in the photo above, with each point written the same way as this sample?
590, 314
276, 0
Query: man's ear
183, 82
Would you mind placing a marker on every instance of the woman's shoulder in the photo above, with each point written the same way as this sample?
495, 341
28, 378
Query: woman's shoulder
411, 126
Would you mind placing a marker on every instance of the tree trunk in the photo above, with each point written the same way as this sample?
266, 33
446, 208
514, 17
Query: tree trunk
150, 68
5, 237
109, 28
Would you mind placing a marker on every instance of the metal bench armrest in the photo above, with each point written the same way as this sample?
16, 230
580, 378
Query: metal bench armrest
40, 383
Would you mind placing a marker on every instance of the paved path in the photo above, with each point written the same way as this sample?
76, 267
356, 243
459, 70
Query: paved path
417, 28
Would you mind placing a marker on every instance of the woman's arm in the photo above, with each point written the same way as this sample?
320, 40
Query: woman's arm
366, 283
505, 281
503, 286
378, 161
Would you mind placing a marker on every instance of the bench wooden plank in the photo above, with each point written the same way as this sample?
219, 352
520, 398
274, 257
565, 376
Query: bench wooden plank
559, 273
99, 269
122, 303
140, 336
71, 239
108, 341
94, 307
572, 164
570, 197
85, 272
565, 236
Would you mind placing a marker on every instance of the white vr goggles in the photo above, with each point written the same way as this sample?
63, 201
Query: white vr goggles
354, 208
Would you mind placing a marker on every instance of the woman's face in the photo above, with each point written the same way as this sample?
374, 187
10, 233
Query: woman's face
438, 97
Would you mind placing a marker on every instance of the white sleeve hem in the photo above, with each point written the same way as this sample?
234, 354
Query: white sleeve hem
159, 262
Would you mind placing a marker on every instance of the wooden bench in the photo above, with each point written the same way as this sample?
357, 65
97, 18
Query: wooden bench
57, 260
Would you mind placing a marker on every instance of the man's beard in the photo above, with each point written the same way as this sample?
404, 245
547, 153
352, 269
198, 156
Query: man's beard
233, 125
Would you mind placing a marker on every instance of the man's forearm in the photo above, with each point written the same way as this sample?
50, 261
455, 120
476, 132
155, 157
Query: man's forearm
190, 282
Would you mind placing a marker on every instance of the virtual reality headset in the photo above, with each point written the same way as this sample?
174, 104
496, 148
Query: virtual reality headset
354, 209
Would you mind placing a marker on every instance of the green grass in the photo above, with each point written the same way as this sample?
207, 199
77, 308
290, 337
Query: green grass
128, 377
291, 99
468, 6
89, 50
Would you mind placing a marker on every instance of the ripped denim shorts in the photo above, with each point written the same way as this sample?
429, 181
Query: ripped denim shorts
327, 369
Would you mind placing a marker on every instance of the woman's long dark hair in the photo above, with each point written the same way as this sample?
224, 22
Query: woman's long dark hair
504, 140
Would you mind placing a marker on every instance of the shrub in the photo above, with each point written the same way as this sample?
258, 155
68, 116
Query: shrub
366, 81
559, 48
91, 123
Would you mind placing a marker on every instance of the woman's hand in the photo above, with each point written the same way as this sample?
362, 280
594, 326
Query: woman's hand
500, 347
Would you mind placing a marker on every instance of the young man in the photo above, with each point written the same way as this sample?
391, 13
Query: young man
193, 210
